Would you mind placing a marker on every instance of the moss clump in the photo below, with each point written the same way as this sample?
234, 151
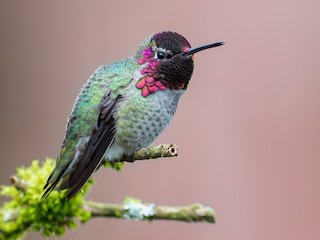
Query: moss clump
114, 165
51, 216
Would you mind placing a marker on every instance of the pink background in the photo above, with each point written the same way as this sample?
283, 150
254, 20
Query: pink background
248, 128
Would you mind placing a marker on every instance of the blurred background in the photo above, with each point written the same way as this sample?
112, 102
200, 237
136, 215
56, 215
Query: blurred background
248, 128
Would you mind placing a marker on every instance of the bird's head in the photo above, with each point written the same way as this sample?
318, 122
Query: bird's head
167, 63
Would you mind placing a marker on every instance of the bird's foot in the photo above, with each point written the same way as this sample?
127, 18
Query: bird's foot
130, 159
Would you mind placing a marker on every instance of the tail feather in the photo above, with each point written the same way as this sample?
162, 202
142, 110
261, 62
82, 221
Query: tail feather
57, 174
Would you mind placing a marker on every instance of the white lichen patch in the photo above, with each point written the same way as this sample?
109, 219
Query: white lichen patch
138, 211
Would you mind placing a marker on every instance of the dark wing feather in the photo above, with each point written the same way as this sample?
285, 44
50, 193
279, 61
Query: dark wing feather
101, 139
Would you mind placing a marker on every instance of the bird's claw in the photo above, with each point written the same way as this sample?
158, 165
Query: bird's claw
130, 159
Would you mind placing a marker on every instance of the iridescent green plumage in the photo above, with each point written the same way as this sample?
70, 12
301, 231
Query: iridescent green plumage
124, 106
85, 114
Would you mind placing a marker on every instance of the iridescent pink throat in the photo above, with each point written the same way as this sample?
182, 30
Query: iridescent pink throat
148, 84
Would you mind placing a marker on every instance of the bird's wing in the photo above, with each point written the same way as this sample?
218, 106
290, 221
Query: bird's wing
101, 139
90, 131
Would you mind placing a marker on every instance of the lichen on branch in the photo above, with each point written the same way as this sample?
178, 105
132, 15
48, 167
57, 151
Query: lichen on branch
134, 209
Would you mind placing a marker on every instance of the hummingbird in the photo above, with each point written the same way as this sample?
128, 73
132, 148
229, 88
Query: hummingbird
123, 107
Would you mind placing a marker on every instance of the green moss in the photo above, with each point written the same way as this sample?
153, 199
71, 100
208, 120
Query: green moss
114, 165
51, 216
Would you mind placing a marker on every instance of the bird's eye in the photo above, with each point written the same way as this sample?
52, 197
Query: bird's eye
161, 55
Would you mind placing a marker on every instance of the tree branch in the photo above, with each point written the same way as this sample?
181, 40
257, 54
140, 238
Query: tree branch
160, 151
139, 211
27, 212
18, 183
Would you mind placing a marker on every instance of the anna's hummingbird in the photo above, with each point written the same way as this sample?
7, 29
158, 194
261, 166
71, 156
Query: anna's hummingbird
123, 107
